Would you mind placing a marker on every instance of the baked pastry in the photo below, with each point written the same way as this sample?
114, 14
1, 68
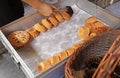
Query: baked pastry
33, 32
70, 51
53, 60
99, 30
43, 65
106, 28
19, 38
59, 17
65, 15
93, 34
76, 46
91, 20
91, 26
94, 26
53, 20
40, 27
83, 32
98, 24
47, 23
62, 55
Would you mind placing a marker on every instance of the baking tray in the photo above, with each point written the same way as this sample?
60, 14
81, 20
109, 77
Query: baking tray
45, 45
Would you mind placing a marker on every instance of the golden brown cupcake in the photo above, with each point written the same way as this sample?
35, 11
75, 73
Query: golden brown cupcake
40, 27
53, 60
83, 32
53, 20
33, 32
93, 34
81, 42
70, 51
91, 26
94, 26
65, 15
47, 23
100, 30
76, 46
43, 66
19, 38
59, 17
98, 24
91, 19
62, 55
107, 28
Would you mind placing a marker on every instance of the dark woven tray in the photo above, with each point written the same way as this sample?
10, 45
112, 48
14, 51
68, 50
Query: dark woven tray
94, 47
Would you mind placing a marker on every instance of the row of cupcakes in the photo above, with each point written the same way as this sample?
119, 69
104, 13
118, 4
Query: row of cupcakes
51, 21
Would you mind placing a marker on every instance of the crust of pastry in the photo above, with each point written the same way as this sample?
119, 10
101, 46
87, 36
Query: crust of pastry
98, 24
65, 15
46, 23
53, 20
40, 27
59, 17
43, 65
93, 34
53, 60
62, 55
76, 46
100, 30
33, 32
83, 32
91, 26
91, 19
19, 38
70, 51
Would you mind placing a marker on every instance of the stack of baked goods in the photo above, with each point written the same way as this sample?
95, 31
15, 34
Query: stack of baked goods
92, 27
19, 38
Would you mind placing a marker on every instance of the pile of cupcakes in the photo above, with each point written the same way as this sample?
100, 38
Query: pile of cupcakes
92, 27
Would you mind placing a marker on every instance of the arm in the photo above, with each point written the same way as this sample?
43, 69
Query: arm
44, 8
33, 3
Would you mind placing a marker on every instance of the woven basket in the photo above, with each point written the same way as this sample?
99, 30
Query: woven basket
96, 46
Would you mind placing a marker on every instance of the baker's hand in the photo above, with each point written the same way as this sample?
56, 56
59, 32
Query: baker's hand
47, 9
44, 8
